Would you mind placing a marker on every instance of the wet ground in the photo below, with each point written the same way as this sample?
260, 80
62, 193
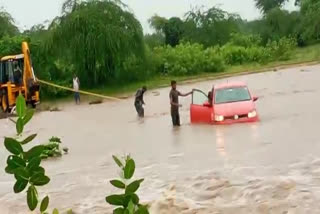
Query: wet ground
268, 167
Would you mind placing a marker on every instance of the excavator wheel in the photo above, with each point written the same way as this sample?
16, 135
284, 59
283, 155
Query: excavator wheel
4, 101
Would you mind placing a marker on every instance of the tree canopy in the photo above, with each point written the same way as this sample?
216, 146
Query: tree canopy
8, 27
97, 37
266, 5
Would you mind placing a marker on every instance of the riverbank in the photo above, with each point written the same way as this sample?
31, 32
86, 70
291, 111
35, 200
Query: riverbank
300, 57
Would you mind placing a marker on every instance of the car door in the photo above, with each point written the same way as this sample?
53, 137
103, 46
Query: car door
200, 110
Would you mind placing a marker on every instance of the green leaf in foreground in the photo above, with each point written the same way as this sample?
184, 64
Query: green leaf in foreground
28, 116
21, 106
32, 198
29, 139
134, 186
44, 204
39, 179
20, 185
55, 211
142, 210
34, 163
21, 174
19, 126
130, 207
13, 146
118, 184
118, 162
135, 199
15, 162
37, 170
129, 169
34, 152
119, 210
115, 199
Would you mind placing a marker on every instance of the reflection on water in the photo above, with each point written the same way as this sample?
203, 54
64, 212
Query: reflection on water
220, 141
254, 132
193, 169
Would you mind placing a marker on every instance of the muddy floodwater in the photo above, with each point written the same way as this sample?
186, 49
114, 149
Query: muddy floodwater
268, 167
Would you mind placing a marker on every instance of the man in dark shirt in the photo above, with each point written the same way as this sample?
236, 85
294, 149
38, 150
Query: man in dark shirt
174, 101
138, 102
17, 75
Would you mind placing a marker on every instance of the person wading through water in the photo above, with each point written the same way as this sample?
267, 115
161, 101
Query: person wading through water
174, 101
139, 102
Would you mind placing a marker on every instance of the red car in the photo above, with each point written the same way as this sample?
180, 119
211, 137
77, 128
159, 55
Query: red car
230, 103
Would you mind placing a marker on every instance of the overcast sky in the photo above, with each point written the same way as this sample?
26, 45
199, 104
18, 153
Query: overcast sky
30, 12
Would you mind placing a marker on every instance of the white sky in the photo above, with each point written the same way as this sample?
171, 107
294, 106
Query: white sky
30, 12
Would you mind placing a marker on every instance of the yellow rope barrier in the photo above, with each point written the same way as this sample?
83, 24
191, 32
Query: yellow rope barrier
80, 91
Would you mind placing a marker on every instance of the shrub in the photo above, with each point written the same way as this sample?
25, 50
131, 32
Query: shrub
282, 49
188, 59
214, 61
245, 53
235, 54
243, 40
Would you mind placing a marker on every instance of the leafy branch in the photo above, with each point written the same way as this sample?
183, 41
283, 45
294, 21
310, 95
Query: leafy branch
128, 202
25, 165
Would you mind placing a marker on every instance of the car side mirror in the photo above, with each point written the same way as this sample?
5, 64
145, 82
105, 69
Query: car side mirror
206, 104
255, 98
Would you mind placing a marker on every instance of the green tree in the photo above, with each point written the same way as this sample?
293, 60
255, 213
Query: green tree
158, 23
267, 5
98, 38
11, 45
210, 27
154, 40
8, 27
310, 28
173, 31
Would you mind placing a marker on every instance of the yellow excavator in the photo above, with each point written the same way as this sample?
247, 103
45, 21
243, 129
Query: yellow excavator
17, 76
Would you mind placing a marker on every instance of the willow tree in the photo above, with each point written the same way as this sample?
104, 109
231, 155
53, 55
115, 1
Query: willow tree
266, 5
310, 11
7, 24
210, 27
98, 38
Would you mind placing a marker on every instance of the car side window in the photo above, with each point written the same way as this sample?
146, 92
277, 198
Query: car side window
199, 97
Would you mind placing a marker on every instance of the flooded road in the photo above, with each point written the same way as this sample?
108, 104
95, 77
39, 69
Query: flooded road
268, 167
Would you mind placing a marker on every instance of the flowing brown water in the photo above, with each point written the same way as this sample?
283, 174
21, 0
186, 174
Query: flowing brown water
268, 167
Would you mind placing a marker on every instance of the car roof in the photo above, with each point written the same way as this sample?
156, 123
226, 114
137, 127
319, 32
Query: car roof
233, 84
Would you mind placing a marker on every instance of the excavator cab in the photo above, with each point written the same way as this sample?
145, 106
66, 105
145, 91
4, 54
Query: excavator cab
17, 76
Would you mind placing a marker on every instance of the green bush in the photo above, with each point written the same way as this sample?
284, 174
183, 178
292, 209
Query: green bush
214, 61
235, 55
243, 40
240, 52
282, 49
188, 59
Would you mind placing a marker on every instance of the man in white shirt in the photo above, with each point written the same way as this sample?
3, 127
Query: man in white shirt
76, 86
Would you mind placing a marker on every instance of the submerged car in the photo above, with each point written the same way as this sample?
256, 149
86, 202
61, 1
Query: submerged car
230, 102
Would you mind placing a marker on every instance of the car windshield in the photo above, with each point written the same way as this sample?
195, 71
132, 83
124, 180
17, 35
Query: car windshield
229, 95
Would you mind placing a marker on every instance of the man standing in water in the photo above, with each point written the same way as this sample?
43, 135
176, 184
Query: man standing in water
174, 101
139, 102
76, 85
